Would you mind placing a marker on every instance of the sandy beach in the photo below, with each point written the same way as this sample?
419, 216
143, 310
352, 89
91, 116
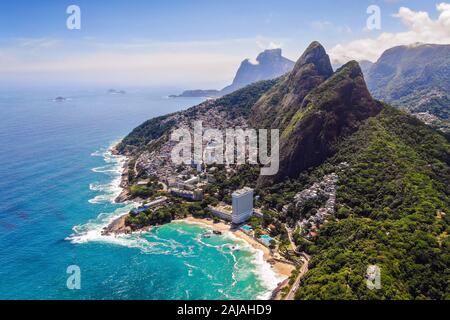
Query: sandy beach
282, 269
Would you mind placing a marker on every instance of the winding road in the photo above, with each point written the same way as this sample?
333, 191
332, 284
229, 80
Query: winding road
304, 269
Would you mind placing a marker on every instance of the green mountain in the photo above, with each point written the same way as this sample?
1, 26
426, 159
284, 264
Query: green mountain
415, 78
317, 109
392, 207
276, 108
387, 202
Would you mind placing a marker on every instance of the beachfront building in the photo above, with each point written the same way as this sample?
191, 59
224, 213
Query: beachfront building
157, 202
222, 211
242, 205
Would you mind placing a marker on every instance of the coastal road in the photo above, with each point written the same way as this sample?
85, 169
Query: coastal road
304, 269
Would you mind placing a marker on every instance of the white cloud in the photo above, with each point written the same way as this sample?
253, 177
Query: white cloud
420, 28
264, 43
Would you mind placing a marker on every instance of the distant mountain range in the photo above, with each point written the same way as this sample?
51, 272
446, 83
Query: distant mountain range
391, 203
415, 78
269, 64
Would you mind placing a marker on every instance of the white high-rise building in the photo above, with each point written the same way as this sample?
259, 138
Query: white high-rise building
242, 205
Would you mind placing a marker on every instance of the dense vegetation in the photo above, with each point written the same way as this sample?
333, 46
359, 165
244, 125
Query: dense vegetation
176, 209
146, 191
393, 206
146, 132
238, 103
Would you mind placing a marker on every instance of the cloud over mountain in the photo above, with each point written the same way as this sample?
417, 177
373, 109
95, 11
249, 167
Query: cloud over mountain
420, 28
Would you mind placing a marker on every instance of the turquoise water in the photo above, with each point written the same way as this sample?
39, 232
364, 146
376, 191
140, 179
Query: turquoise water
58, 182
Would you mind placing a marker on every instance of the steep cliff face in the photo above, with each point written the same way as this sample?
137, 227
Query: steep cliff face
269, 64
329, 112
276, 107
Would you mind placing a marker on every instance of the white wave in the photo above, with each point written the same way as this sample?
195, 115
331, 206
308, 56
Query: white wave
114, 169
99, 187
268, 277
150, 243
263, 271
146, 242
98, 153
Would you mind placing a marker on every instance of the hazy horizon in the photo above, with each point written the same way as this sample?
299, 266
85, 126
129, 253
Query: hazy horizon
187, 46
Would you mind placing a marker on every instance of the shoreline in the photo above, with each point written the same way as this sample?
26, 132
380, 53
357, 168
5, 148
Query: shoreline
282, 269
124, 183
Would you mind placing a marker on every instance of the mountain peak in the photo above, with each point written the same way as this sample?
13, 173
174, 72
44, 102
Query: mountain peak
270, 64
330, 110
269, 53
312, 69
315, 54
404, 76
351, 68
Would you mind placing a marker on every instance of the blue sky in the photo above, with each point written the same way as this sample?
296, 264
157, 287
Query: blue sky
161, 34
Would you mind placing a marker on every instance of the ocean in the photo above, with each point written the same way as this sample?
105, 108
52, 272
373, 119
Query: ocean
58, 182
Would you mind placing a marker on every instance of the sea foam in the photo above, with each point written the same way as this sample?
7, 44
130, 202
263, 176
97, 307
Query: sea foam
150, 243
114, 169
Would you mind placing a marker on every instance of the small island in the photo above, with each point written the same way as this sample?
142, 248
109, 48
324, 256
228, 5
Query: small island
116, 92
60, 99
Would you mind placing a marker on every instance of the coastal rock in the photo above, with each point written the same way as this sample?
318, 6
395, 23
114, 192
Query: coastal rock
118, 226
124, 196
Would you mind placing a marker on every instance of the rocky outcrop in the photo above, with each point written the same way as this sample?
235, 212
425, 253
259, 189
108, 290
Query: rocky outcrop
331, 111
276, 107
118, 226
269, 64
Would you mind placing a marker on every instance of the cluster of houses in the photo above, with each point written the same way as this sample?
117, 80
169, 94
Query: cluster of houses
325, 189
189, 189
159, 163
